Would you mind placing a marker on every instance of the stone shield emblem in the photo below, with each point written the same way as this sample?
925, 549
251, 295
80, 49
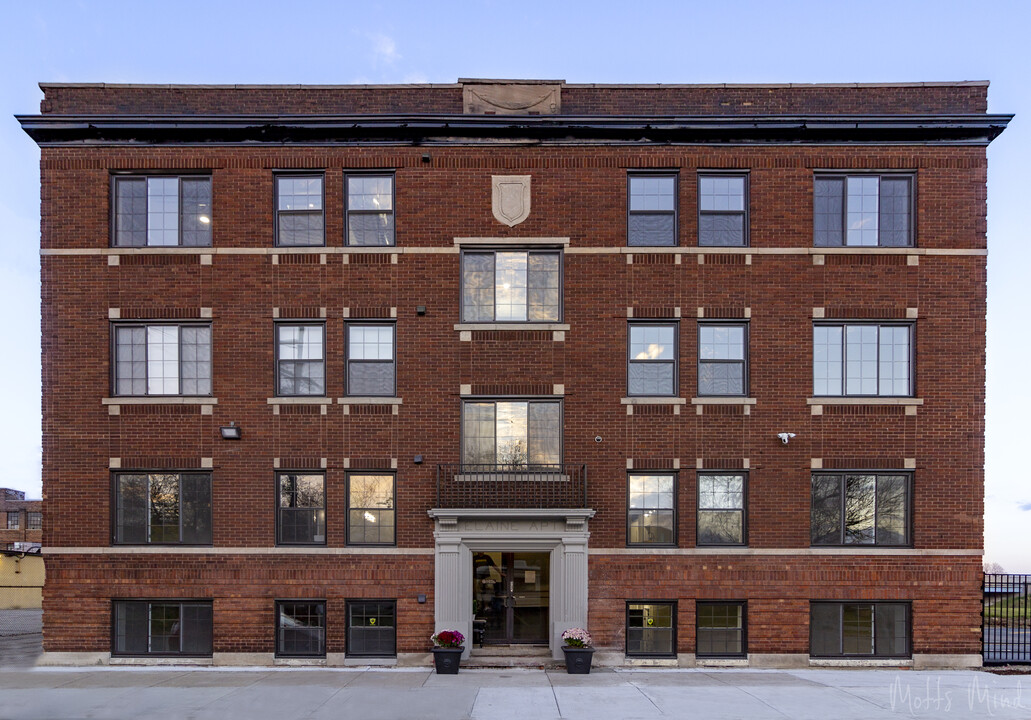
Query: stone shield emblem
510, 198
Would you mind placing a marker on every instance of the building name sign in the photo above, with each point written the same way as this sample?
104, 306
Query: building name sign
511, 526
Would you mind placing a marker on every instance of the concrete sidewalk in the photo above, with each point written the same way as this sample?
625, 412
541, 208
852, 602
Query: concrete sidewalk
371, 694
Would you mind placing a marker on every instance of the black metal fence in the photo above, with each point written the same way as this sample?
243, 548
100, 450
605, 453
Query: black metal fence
461, 485
1006, 619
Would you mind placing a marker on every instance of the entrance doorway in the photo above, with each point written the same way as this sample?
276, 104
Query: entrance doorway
511, 597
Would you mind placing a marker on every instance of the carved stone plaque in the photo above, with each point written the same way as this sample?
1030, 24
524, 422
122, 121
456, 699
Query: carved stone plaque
510, 198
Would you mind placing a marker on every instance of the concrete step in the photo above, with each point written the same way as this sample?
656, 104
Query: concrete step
507, 656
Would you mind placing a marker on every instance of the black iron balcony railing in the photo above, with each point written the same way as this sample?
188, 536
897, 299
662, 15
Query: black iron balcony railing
461, 485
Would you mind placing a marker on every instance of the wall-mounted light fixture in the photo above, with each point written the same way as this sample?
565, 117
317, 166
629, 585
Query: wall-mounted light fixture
426, 157
230, 431
417, 459
420, 309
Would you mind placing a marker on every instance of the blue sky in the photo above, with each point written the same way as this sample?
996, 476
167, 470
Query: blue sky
673, 42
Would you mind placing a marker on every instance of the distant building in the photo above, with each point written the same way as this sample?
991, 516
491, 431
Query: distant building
21, 521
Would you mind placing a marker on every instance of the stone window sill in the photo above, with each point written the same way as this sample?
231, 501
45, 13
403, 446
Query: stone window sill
300, 400
836, 400
370, 400
160, 400
653, 400
514, 327
723, 401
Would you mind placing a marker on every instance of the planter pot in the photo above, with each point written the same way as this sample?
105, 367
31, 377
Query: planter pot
578, 660
446, 660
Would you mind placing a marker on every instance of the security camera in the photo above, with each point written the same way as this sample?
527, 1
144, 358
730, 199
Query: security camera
784, 437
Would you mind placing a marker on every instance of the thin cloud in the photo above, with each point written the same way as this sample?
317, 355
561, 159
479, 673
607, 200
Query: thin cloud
1025, 506
384, 49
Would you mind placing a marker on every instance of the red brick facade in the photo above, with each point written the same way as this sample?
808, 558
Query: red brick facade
15, 530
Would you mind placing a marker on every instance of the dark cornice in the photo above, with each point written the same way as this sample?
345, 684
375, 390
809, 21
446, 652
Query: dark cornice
412, 129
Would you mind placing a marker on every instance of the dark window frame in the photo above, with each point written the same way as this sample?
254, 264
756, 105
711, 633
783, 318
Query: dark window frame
560, 401
843, 175
675, 362
743, 604
281, 323
160, 601
494, 250
115, 176
655, 173
16, 514
844, 324
276, 212
114, 505
349, 604
33, 515
279, 652
347, 500
907, 604
392, 323
745, 213
179, 324
745, 362
674, 621
325, 507
909, 514
392, 174
743, 509
674, 509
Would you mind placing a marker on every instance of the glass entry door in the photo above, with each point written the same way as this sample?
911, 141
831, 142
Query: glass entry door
510, 597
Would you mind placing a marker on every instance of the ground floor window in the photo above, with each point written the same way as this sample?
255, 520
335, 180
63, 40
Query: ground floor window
877, 629
301, 628
651, 629
720, 629
161, 627
371, 628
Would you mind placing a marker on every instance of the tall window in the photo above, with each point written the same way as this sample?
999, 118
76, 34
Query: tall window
370, 360
651, 509
722, 209
860, 509
370, 509
162, 508
872, 359
721, 509
299, 215
300, 359
879, 629
506, 433
301, 628
863, 210
652, 209
161, 627
166, 359
370, 209
35, 521
13, 519
302, 508
162, 210
651, 629
722, 359
720, 630
511, 286
652, 359
371, 628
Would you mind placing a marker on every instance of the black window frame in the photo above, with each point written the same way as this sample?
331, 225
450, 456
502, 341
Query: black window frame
743, 604
743, 510
513, 399
115, 506
674, 621
745, 213
529, 250
745, 362
675, 362
180, 175
279, 475
33, 515
279, 603
282, 323
672, 510
348, 174
179, 324
350, 605
910, 175
347, 500
16, 514
392, 323
841, 604
277, 175
655, 173
844, 325
909, 513
150, 602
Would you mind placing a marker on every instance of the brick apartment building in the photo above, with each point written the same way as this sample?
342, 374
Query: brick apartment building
699, 368
21, 521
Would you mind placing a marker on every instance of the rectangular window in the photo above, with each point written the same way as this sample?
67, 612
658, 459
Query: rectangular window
877, 629
721, 629
722, 359
13, 521
162, 508
651, 209
511, 286
370, 360
370, 509
371, 628
370, 209
161, 627
721, 509
862, 359
35, 521
722, 209
651, 629
166, 359
651, 509
299, 214
863, 210
652, 359
860, 509
302, 508
162, 210
300, 359
512, 433
301, 628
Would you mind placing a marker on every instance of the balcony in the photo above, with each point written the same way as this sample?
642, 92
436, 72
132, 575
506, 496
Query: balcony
461, 485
